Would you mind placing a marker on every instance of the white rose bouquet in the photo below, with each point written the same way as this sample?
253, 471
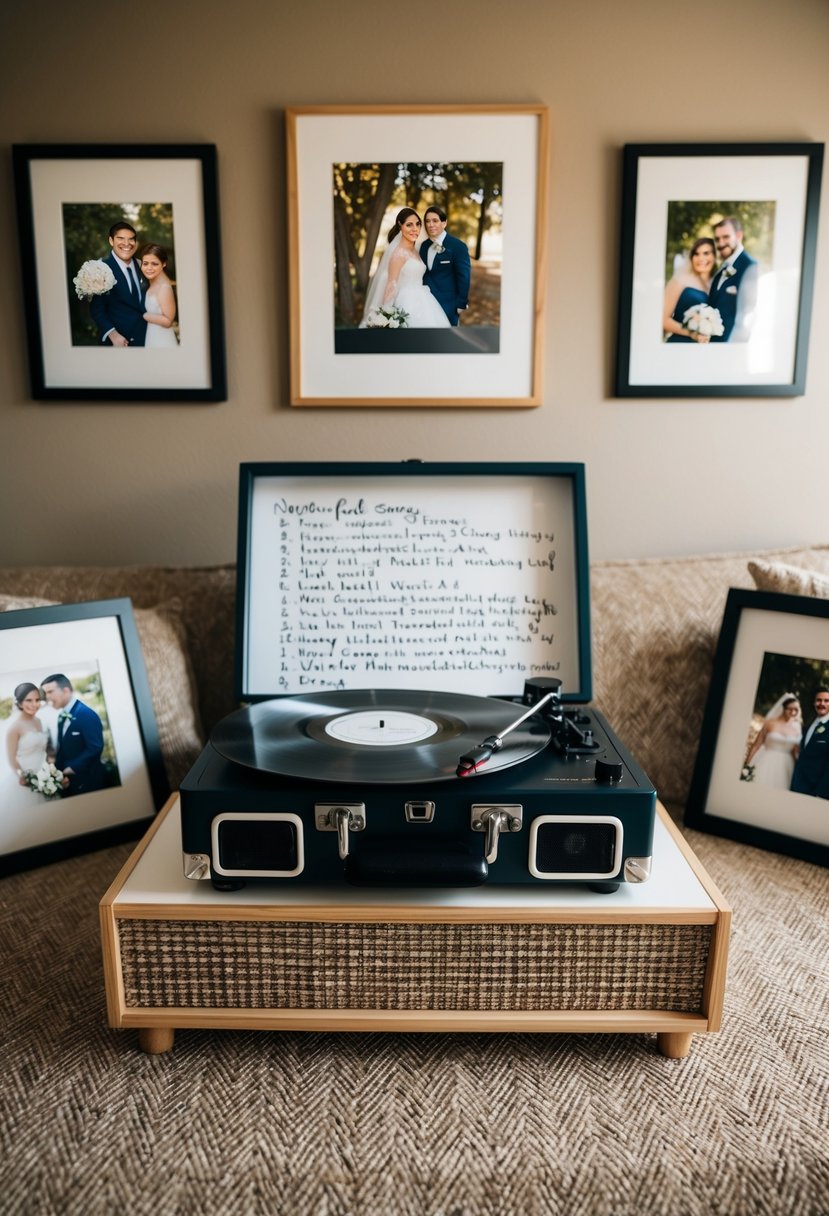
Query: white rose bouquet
387, 318
704, 320
94, 278
47, 780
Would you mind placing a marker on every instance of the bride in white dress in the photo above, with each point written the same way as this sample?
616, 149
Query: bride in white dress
28, 743
398, 281
160, 301
774, 751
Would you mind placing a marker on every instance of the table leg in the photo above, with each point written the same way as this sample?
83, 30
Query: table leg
156, 1039
674, 1046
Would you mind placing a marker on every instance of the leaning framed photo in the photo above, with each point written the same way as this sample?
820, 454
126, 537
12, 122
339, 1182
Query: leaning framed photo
717, 258
762, 771
120, 252
80, 766
416, 253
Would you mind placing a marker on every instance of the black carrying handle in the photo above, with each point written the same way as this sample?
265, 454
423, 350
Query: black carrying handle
384, 862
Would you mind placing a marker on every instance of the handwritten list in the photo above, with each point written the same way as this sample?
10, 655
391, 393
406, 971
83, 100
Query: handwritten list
410, 583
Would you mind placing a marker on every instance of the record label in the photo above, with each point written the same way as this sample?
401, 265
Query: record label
381, 728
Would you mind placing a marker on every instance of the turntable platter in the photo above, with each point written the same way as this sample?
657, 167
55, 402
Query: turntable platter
374, 735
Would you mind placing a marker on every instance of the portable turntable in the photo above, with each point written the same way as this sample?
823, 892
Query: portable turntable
413, 648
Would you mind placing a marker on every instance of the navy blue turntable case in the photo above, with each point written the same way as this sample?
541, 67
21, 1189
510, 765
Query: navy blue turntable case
413, 660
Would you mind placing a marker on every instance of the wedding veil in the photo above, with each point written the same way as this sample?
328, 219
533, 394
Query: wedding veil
777, 709
377, 286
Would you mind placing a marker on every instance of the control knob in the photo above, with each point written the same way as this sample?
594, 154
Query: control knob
608, 772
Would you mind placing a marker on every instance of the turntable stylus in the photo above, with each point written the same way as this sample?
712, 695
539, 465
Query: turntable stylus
477, 757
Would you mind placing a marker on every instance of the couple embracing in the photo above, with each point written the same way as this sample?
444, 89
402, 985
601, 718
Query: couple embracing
421, 284
140, 308
75, 753
709, 300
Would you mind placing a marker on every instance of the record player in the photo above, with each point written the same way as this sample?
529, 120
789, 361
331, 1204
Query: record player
413, 652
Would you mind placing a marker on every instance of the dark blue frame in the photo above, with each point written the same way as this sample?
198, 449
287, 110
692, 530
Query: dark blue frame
22, 156
632, 153
71, 846
697, 813
575, 473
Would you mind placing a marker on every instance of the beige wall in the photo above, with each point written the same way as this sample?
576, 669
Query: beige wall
142, 483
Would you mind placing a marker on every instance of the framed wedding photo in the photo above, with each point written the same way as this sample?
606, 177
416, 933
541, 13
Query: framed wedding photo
80, 765
416, 253
717, 269
762, 770
120, 252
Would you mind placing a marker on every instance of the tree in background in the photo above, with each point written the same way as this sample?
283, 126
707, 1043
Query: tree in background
470, 193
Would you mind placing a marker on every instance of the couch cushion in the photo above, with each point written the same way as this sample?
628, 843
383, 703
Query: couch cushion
169, 674
790, 580
206, 594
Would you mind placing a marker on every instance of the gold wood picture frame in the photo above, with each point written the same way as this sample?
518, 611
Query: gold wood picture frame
416, 254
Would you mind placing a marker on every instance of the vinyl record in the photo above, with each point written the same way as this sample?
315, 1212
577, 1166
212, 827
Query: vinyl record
375, 735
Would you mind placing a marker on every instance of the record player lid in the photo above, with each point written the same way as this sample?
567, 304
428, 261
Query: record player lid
467, 577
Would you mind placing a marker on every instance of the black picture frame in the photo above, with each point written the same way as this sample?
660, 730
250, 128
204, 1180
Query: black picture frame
96, 646
344, 551
68, 195
769, 643
673, 194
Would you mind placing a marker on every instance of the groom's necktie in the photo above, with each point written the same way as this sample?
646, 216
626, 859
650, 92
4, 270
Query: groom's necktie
817, 722
133, 277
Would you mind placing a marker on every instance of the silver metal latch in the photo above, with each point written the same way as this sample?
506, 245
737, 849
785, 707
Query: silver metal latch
494, 820
342, 818
637, 869
196, 866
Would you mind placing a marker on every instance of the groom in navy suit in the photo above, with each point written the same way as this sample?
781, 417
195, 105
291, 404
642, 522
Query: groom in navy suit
119, 313
733, 290
447, 265
80, 738
811, 770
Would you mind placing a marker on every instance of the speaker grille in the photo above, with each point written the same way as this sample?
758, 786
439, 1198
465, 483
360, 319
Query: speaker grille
344, 965
575, 847
257, 845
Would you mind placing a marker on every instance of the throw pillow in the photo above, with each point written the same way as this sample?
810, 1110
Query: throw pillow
172, 686
791, 580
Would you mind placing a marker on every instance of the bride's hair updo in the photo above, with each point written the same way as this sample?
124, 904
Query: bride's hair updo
400, 219
21, 693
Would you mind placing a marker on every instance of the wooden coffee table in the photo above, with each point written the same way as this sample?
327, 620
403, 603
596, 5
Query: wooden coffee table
545, 959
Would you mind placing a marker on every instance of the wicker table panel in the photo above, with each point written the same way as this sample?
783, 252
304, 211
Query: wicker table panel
413, 966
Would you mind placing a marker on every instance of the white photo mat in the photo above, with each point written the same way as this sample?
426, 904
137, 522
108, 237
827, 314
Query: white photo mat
759, 632
34, 652
768, 357
324, 139
55, 182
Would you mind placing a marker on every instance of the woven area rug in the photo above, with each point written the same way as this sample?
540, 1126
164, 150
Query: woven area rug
417, 1125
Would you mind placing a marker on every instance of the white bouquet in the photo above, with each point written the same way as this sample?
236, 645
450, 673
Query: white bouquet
93, 279
705, 320
47, 780
387, 318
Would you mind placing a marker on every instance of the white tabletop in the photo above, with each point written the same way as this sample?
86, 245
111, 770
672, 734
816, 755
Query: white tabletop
158, 878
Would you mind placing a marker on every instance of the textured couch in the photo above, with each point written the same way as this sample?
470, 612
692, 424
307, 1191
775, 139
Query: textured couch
654, 628
436, 1124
